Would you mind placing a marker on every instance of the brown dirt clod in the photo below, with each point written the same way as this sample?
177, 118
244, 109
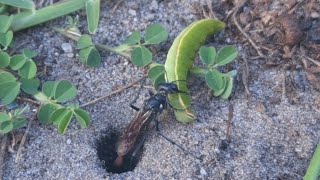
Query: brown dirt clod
292, 33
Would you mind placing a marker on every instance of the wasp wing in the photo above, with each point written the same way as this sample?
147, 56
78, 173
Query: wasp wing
127, 140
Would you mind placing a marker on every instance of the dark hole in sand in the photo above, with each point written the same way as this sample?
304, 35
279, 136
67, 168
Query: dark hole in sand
106, 151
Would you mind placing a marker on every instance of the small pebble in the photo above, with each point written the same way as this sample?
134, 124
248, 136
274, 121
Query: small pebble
69, 141
132, 12
66, 47
203, 172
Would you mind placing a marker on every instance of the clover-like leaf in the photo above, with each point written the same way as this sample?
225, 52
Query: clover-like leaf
134, 38
19, 122
17, 61
93, 12
6, 38
65, 91
6, 77
45, 111
9, 92
48, 88
214, 80
226, 55
6, 127
4, 117
61, 118
155, 34
84, 42
5, 22
30, 86
228, 90
4, 59
157, 74
219, 92
28, 70
90, 56
29, 54
141, 56
82, 117
207, 55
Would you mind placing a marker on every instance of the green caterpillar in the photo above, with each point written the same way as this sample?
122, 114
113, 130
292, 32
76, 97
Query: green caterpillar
180, 59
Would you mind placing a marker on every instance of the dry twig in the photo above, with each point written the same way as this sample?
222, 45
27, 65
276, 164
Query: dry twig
245, 76
113, 92
24, 137
229, 123
4, 142
255, 46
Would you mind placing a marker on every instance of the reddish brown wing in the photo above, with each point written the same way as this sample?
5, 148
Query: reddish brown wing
128, 138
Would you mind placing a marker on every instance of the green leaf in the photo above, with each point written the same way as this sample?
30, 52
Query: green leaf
25, 4
157, 74
219, 92
61, 117
90, 56
134, 38
93, 12
29, 54
6, 127
228, 90
84, 42
4, 117
6, 77
9, 92
5, 22
49, 87
226, 55
207, 55
30, 86
6, 38
19, 123
65, 91
82, 117
45, 111
28, 70
232, 73
155, 34
141, 56
4, 59
17, 61
214, 80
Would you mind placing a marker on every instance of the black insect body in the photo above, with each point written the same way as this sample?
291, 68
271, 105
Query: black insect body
130, 140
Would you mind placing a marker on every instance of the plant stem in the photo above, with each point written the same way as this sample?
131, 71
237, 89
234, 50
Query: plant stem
103, 47
314, 167
27, 18
198, 71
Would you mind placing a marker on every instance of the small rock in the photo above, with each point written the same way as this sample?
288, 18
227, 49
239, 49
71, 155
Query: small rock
203, 172
153, 5
315, 15
70, 55
66, 47
69, 141
132, 12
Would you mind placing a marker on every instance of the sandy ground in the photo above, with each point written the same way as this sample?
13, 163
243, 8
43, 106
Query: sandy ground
273, 135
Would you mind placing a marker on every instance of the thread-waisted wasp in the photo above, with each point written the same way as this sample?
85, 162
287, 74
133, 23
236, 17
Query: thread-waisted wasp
132, 138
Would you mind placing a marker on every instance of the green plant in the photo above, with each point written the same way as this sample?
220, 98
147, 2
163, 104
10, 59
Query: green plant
132, 47
29, 16
11, 121
51, 111
18, 73
313, 171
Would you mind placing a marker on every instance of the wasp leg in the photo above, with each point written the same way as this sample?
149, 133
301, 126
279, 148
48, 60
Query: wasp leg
136, 98
174, 143
134, 107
